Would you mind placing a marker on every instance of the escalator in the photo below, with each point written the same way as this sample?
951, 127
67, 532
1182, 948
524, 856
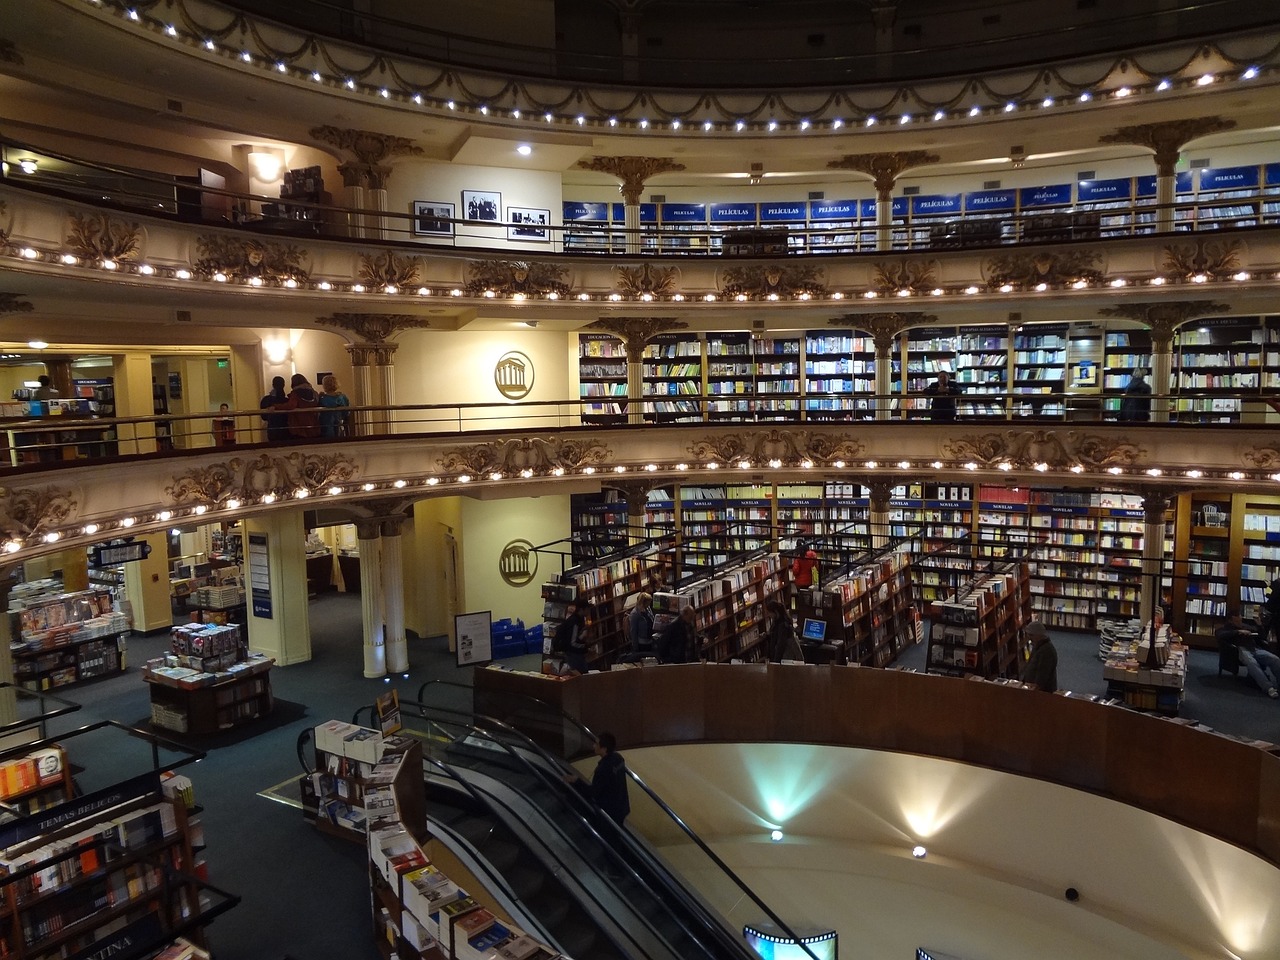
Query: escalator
586, 885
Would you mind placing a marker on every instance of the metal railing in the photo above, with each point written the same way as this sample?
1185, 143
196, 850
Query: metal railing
45, 442
168, 197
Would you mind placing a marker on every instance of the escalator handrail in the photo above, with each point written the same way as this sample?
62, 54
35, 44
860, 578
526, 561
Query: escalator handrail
582, 811
662, 805
582, 727
690, 902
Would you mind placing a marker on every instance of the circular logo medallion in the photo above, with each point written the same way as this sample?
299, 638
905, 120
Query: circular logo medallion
513, 375
518, 564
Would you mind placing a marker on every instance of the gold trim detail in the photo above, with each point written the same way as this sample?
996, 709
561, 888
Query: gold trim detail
791, 447
884, 168
510, 457
1212, 257
647, 279
239, 259
369, 329
761, 281
251, 480
910, 273
389, 269
507, 278
98, 236
636, 332
1023, 449
31, 511
1057, 268
1163, 318
632, 171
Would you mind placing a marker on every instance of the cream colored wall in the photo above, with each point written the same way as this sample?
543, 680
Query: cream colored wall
488, 527
426, 604
12, 378
419, 180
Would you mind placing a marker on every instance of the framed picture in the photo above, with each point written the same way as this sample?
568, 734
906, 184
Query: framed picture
528, 223
482, 205
432, 218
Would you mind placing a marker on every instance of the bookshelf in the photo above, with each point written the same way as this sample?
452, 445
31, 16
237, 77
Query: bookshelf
602, 377
704, 526
341, 795
777, 375
929, 350
729, 604
1039, 369
599, 524
1124, 351
839, 365
869, 607
672, 368
982, 369
209, 682
731, 371
1216, 362
979, 631
33, 781
66, 638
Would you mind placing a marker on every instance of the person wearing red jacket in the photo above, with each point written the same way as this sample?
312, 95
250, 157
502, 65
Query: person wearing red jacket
304, 405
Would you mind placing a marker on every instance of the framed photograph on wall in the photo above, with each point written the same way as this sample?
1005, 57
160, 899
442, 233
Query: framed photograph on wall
482, 205
432, 218
528, 223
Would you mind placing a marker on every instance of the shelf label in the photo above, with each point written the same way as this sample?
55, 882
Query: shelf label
1125, 514
111, 554
1229, 178
259, 558
1182, 185
80, 808
1118, 189
1006, 507
782, 212
575, 211
868, 209
949, 504
900, 208
648, 213
935, 204
834, 210
1271, 174
985, 200
1051, 196
684, 213
733, 213
1070, 511
915, 504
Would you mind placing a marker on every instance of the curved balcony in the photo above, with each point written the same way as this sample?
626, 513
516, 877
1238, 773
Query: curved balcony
492, 451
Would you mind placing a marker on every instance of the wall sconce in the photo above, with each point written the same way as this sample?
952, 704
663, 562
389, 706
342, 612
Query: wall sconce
277, 351
265, 167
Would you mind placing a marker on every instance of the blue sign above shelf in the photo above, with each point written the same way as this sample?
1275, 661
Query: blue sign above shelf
776, 212
1229, 178
684, 212
1095, 190
834, 210
1052, 196
576, 211
988, 200
733, 212
648, 213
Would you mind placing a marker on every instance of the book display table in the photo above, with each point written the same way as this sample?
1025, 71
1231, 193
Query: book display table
1145, 688
202, 702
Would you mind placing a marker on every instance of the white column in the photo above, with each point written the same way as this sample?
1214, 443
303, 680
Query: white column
353, 197
635, 386
393, 595
275, 554
883, 375
1154, 506
878, 513
362, 388
385, 373
369, 539
884, 220
631, 220
1165, 197
1161, 375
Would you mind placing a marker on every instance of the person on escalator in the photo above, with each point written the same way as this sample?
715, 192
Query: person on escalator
608, 786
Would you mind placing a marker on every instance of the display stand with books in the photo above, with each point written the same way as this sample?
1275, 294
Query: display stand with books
978, 632
1134, 676
729, 605
341, 794
67, 638
116, 871
868, 609
210, 682
418, 912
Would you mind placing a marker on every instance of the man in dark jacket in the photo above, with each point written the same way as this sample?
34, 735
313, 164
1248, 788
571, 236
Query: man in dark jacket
678, 641
1041, 671
277, 423
942, 393
608, 786
1136, 402
304, 404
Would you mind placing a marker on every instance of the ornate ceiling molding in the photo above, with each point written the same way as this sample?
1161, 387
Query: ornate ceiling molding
1167, 139
636, 332
1213, 257
1059, 449
772, 281
13, 303
1030, 268
241, 259
791, 448
884, 168
1265, 458
634, 172
30, 511
884, 326
373, 329
917, 274
269, 475
647, 280
525, 456
366, 147
99, 236
507, 278
1164, 318
388, 269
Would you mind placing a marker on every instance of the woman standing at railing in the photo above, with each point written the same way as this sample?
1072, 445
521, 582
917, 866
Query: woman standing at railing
333, 418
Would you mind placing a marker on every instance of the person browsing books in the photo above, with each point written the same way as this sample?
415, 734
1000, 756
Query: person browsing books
570, 641
804, 566
678, 642
781, 640
640, 626
942, 395
1041, 668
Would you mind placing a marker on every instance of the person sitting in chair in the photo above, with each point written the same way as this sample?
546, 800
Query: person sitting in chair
1261, 664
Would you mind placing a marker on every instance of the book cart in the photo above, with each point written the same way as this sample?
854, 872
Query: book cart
116, 868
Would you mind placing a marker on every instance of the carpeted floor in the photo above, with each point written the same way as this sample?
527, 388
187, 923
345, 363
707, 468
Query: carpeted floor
305, 895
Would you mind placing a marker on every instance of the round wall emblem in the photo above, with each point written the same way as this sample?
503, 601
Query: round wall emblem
518, 564
513, 375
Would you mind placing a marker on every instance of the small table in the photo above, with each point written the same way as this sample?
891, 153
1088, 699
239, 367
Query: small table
233, 698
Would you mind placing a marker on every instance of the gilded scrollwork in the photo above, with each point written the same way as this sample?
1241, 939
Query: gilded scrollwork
373, 328
388, 269
1212, 257
760, 281
1265, 458
539, 454
1056, 268
31, 511
647, 280
507, 278
238, 258
99, 236
1024, 449
909, 273
252, 479
791, 447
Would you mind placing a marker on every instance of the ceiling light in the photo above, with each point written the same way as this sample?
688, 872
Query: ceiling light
127, 522
939, 114
580, 120
350, 84
90, 529
1195, 474
1163, 85
29, 253
334, 491
315, 74
37, 344
613, 121
417, 98
1235, 475
1249, 74
1119, 282
28, 165
644, 123
399, 484
1157, 281
199, 509
919, 852
1086, 97
804, 124
1242, 275
1009, 107
974, 111
706, 124
773, 125
182, 274
740, 125
1123, 92
871, 121
1205, 80
12, 546
1047, 102
837, 123
775, 835
675, 124
515, 114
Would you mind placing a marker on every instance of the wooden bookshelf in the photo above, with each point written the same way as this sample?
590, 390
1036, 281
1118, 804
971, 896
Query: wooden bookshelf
34, 781
979, 631
729, 604
231, 700
67, 638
